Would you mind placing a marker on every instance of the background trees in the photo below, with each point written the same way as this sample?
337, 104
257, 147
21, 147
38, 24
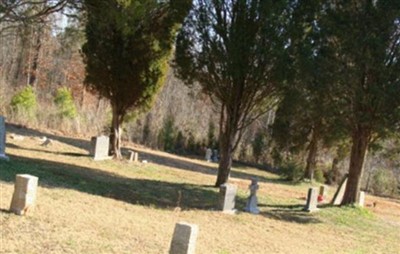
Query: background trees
126, 53
232, 48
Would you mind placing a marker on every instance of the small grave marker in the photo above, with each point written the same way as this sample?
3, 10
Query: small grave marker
133, 156
184, 238
312, 200
100, 148
24, 196
361, 199
3, 155
227, 196
208, 154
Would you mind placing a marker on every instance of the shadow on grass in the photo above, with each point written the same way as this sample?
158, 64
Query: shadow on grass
159, 194
289, 213
48, 152
151, 157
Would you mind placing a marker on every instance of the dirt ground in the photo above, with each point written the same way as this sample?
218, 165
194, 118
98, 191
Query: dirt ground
75, 220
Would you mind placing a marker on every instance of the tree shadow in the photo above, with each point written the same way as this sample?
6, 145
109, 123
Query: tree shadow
159, 194
48, 152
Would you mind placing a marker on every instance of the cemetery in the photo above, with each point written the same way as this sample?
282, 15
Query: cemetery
60, 199
197, 126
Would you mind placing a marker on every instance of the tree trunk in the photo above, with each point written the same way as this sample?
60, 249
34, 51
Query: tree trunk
116, 132
360, 141
225, 162
312, 155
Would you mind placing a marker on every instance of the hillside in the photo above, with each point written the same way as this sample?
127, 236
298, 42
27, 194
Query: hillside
87, 206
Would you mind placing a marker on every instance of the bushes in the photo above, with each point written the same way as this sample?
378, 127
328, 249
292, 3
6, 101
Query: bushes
65, 103
24, 103
292, 171
383, 182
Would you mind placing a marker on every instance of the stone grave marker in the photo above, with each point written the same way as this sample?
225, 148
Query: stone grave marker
361, 199
24, 196
338, 197
227, 196
133, 156
312, 200
100, 148
3, 155
184, 238
323, 190
251, 205
208, 154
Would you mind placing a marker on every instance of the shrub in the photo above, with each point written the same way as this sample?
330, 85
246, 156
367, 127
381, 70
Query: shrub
65, 103
319, 176
292, 171
167, 135
258, 145
383, 182
24, 102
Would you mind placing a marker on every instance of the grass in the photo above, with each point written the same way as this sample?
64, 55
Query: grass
87, 206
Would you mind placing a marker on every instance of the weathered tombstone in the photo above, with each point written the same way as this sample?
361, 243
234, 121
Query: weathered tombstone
208, 154
100, 147
227, 196
323, 190
24, 196
338, 197
3, 155
251, 205
133, 156
312, 200
361, 199
184, 238
215, 156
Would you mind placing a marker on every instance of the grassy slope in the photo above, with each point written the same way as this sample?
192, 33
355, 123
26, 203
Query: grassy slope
85, 206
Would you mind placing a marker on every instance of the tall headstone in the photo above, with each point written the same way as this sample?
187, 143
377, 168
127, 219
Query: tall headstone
208, 154
24, 196
184, 238
133, 156
361, 199
100, 147
251, 205
3, 155
338, 197
312, 200
227, 196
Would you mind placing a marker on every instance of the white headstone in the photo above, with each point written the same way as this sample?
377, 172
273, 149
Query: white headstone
3, 155
361, 199
208, 154
100, 147
184, 238
312, 200
24, 196
227, 196
338, 197
252, 202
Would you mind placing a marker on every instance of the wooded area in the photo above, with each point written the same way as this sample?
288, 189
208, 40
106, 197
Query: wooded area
310, 90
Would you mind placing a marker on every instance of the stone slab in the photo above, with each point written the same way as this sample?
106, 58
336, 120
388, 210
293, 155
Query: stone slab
312, 200
227, 198
338, 197
184, 238
24, 196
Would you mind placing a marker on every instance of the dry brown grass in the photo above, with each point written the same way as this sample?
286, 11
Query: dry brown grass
86, 206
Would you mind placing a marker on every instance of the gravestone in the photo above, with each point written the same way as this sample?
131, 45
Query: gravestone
3, 155
227, 196
208, 154
24, 196
312, 200
251, 205
184, 238
133, 156
338, 197
100, 148
361, 199
323, 190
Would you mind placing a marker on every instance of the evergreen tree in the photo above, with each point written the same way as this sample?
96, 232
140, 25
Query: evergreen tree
128, 46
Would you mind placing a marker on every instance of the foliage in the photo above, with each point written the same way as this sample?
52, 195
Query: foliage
233, 49
24, 101
212, 141
291, 170
383, 182
258, 145
168, 135
319, 176
65, 103
127, 50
